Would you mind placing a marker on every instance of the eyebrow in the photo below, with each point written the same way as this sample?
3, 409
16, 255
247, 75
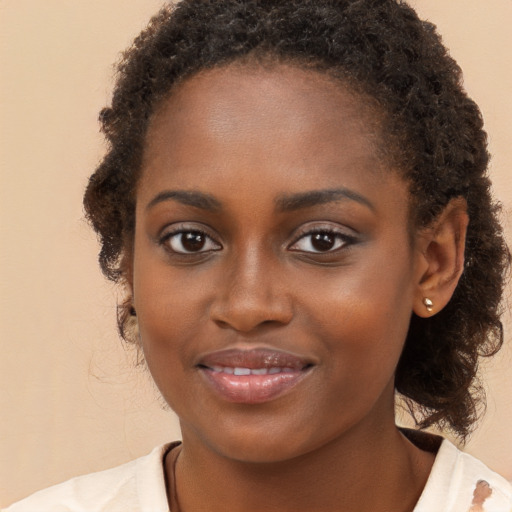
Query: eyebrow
188, 197
287, 203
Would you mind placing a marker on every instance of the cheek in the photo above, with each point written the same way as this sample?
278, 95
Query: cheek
170, 310
165, 296
363, 314
168, 322
168, 331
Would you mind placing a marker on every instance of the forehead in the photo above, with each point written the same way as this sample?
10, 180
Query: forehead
288, 126
281, 100
269, 84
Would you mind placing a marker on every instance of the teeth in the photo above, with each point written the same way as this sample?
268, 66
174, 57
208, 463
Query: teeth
242, 371
259, 371
250, 371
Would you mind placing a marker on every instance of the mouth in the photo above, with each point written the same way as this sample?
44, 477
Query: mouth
253, 376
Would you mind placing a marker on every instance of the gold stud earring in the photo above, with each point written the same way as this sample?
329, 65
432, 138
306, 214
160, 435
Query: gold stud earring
428, 304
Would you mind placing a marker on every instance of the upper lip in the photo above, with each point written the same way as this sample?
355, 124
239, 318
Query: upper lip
253, 359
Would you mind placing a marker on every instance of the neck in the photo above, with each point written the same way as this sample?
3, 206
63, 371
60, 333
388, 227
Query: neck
360, 471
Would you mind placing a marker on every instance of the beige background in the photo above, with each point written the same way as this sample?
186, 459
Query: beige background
70, 400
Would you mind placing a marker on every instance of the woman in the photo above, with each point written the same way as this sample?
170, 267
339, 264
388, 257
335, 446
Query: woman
295, 198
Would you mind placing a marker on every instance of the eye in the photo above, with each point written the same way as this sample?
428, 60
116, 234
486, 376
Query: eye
190, 242
320, 241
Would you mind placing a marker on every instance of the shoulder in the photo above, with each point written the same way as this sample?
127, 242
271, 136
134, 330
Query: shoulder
135, 486
458, 481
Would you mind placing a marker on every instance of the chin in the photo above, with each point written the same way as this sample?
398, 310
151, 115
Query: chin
258, 443
266, 451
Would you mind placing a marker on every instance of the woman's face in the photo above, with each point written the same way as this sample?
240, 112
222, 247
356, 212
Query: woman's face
273, 271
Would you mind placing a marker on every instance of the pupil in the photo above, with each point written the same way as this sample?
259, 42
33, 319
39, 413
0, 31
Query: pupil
323, 241
193, 241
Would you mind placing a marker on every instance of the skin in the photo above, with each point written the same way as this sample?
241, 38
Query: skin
248, 137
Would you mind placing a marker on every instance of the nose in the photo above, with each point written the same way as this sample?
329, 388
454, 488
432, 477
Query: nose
252, 294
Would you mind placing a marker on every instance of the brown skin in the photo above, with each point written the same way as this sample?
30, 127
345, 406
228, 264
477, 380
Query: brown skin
248, 136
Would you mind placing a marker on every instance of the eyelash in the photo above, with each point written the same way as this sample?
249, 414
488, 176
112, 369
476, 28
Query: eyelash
340, 240
166, 240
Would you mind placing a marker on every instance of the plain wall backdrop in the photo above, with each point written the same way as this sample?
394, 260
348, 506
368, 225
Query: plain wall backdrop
71, 400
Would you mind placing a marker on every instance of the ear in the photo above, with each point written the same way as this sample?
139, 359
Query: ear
441, 258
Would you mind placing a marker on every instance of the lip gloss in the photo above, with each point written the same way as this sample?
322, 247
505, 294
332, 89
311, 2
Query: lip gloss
252, 376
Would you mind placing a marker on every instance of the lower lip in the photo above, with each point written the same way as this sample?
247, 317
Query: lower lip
253, 389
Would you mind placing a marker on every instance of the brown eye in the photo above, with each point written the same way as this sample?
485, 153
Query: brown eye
193, 242
187, 242
323, 241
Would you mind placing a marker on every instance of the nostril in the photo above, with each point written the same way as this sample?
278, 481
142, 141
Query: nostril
222, 324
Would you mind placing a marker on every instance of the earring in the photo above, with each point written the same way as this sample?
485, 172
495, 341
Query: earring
428, 304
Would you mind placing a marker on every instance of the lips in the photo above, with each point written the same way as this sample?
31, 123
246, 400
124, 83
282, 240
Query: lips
253, 376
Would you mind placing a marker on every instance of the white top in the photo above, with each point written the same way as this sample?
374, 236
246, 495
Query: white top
458, 483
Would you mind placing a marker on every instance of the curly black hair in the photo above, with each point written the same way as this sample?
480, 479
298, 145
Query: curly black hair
382, 50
